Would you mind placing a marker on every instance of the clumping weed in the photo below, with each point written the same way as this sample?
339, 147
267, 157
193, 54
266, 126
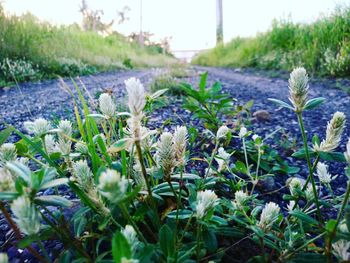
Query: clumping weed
18, 70
137, 199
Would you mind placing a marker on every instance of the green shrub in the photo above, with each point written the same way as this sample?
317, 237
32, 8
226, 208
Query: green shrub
18, 70
322, 47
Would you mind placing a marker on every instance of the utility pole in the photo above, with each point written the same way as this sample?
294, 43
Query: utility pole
219, 23
141, 41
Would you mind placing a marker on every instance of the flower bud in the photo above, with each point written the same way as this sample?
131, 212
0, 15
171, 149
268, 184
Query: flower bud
242, 132
179, 143
222, 132
107, 105
322, 173
112, 185
269, 215
206, 200
298, 88
7, 153
39, 127
165, 154
136, 95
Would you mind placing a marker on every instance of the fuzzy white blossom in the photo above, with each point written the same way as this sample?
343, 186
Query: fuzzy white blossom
107, 105
112, 185
341, 249
39, 127
65, 127
222, 132
136, 95
298, 88
269, 215
343, 227
255, 137
26, 216
165, 153
7, 153
7, 183
242, 132
131, 236
206, 200
4, 258
81, 147
335, 128
82, 172
309, 193
51, 144
223, 159
291, 206
240, 199
323, 174
347, 153
179, 144
295, 185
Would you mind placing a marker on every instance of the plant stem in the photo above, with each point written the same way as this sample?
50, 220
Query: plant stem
44, 251
144, 172
334, 230
18, 233
131, 221
198, 248
311, 175
212, 157
257, 171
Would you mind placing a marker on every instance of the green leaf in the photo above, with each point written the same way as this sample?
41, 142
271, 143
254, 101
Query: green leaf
158, 93
186, 176
182, 214
304, 217
8, 196
332, 156
313, 103
5, 134
301, 153
28, 240
203, 83
240, 166
54, 200
21, 170
166, 241
308, 257
281, 103
120, 145
54, 183
120, 248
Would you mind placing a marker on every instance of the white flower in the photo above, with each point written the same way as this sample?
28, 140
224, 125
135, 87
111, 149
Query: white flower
4, 258
340, 249
64, 146
82, 172
242, 132
6, 181
347, 153
50, 144
81, 147
269, 215
290, 206
222, 132
309, 193
223, 159
179, 144
295, 185
206, 200
112, 185
134, 126
39, 127
255, 137
131, 236
240, 199
65, 127
26, 216
107, 105
298, 88
322, 173
334, 132
343, 227
136, 95
165, 153
7, 153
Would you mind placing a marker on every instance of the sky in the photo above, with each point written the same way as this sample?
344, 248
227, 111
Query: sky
190, 23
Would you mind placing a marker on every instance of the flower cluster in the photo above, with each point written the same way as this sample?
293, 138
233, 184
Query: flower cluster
39, 127
107, 105
112, 185
322, 173
269, 215
298, 88
206, 200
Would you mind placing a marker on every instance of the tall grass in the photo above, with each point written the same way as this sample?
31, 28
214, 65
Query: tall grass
67, 50
322, 47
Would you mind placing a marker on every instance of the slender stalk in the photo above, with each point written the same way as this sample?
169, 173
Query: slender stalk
44, 251
18, 233
311, 175
212, 157
257, 171
144, 173
328, 244
198, 248
131, 221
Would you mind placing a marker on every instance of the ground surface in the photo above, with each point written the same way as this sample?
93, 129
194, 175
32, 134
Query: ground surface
47, 100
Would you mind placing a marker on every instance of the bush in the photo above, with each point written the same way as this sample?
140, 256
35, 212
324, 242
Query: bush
143, 195
321, 47
18, 70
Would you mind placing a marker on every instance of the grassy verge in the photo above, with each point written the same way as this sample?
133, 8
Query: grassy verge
322, 47
31, 49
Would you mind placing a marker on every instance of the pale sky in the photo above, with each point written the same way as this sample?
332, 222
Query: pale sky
191, 23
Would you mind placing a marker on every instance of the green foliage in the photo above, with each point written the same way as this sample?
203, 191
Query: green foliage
138, 196
321, 47
165, 81
37, 49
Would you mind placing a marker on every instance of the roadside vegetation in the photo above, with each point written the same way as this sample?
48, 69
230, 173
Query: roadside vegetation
322, 47
31, 49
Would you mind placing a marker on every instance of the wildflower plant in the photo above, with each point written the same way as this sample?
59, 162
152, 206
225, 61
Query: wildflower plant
140, 195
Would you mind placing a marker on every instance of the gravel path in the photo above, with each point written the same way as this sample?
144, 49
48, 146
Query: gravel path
47, 100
